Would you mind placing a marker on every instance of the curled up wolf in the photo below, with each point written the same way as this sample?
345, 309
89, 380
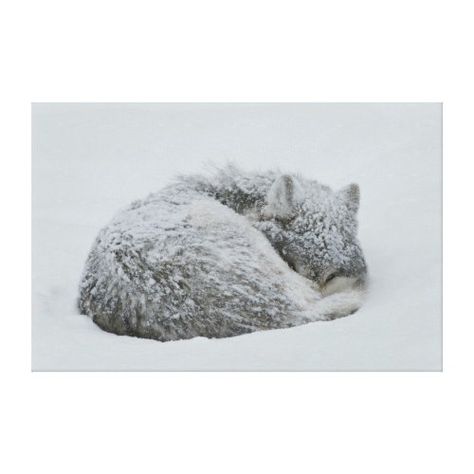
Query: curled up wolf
225, 255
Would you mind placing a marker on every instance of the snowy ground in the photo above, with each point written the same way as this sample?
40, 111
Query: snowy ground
91, 160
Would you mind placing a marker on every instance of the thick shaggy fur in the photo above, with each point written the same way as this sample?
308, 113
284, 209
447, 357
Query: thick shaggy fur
226, 255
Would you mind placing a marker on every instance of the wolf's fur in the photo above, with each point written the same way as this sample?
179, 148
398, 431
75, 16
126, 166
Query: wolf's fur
210, 257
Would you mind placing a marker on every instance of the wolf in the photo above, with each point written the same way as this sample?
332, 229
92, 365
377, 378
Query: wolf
226, 254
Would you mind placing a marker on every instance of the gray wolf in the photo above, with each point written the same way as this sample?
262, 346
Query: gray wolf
227, 254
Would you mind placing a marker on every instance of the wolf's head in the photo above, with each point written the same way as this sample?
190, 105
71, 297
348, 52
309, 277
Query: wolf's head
314, 229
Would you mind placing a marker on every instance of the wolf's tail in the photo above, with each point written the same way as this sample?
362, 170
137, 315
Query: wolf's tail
338, 305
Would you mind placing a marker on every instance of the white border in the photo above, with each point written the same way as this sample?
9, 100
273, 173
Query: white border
237, 51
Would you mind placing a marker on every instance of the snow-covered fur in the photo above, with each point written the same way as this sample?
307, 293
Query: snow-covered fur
226, 255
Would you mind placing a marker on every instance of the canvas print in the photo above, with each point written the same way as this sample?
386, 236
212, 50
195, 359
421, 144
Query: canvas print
237, 237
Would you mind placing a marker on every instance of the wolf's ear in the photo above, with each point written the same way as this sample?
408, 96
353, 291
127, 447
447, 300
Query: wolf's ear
282, 198
351, 196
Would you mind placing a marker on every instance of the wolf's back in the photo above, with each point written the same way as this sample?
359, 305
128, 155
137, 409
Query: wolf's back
167, 270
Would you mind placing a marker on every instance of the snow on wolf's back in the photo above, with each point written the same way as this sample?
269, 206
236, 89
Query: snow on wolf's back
226, 255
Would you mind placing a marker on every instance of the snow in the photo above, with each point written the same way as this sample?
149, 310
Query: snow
90, 160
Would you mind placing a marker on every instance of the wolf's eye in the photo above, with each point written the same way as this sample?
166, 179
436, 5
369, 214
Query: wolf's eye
330, 278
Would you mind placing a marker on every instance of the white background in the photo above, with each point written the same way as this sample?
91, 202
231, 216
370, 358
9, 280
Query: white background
367, 422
